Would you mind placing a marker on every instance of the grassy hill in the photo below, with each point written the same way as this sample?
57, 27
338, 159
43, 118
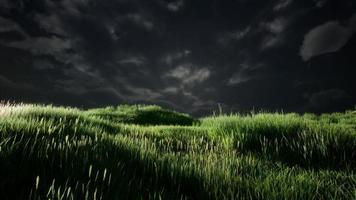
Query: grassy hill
147, 152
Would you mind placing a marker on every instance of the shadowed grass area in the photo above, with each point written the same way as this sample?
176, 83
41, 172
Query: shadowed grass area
124, 153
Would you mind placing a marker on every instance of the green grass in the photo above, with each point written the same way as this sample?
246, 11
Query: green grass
141, 114
147, 152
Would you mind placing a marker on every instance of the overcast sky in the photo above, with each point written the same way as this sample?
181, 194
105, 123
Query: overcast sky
189, 55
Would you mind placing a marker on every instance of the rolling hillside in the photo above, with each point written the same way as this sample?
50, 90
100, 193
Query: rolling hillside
147, 152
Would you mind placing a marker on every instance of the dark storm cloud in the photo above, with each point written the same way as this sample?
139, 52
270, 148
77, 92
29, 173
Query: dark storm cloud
282, 4
329, 100
188, 55
320, 3
328, 37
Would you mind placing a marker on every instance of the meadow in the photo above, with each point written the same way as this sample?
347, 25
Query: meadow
147, 152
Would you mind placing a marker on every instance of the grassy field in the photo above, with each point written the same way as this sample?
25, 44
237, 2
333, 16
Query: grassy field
146, 152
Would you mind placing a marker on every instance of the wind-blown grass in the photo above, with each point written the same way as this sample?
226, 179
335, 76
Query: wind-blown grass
114, 153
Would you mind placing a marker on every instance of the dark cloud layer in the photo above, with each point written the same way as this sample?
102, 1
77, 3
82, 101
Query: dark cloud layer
187, 55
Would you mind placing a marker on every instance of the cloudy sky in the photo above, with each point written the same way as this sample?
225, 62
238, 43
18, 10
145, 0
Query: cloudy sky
189, 55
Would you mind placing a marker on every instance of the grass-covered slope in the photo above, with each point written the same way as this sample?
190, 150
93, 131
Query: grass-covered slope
141, 114
146, 152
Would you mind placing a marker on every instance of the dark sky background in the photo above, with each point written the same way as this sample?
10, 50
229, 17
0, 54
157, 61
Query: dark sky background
189, 55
